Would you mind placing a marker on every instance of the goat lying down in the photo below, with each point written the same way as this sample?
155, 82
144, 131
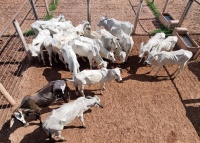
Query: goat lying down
64, 115
43, 98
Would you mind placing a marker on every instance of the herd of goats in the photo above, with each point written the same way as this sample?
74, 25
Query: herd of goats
60, 37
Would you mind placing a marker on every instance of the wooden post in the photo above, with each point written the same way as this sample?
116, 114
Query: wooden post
47, 7
185, 12
19, 31
89, 11
137, 16
196, 55
166, 2
34, 9
7, 95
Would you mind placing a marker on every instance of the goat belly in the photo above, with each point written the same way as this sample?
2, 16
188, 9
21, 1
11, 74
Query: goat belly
89, 77
53, 123
46, 99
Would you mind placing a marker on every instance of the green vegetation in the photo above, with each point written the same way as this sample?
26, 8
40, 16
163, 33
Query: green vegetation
29, 33
46, 17
157, 13
52, 7
153, 8
162, 29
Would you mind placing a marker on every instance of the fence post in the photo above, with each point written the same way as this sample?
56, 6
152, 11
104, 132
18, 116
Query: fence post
137, 16
185, 12
196, 55
34, 9
47, 7
7, 95
166, 2
19, 31
89, 11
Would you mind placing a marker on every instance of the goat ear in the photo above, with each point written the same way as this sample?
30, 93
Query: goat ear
12, 120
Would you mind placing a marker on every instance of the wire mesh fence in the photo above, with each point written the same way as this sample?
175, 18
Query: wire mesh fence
13, 60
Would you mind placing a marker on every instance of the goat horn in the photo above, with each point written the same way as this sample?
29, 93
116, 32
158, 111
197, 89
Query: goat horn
12, 120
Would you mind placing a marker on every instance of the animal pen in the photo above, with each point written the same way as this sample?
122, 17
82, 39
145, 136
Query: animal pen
12, 51
14, 63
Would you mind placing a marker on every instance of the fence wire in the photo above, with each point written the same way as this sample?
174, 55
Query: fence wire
13, 60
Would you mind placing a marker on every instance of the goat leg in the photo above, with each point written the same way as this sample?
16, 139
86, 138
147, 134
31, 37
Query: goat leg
50, 136
82, 120
159, 67
152, 67
58, 135
102, 87
39, 118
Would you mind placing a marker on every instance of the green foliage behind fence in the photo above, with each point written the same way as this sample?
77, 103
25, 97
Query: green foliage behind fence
156, 12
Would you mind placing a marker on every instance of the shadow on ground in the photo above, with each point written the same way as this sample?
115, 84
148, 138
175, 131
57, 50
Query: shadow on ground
194, 67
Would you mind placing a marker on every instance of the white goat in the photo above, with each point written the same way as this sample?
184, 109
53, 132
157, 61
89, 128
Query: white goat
70, 58
103, 52
153, 42
88, 77
109, 23
111, 43
125, 40
36, 47
179, 57
88, 50
64, 115
167, 44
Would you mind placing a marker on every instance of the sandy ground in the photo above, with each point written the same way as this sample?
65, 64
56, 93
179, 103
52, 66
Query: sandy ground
141, 109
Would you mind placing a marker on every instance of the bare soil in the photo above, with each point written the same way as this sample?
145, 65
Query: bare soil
141, 109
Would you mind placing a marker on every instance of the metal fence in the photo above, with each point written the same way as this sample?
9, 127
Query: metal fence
13, 60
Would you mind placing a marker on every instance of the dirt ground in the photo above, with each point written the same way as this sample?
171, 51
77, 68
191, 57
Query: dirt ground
139, 110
